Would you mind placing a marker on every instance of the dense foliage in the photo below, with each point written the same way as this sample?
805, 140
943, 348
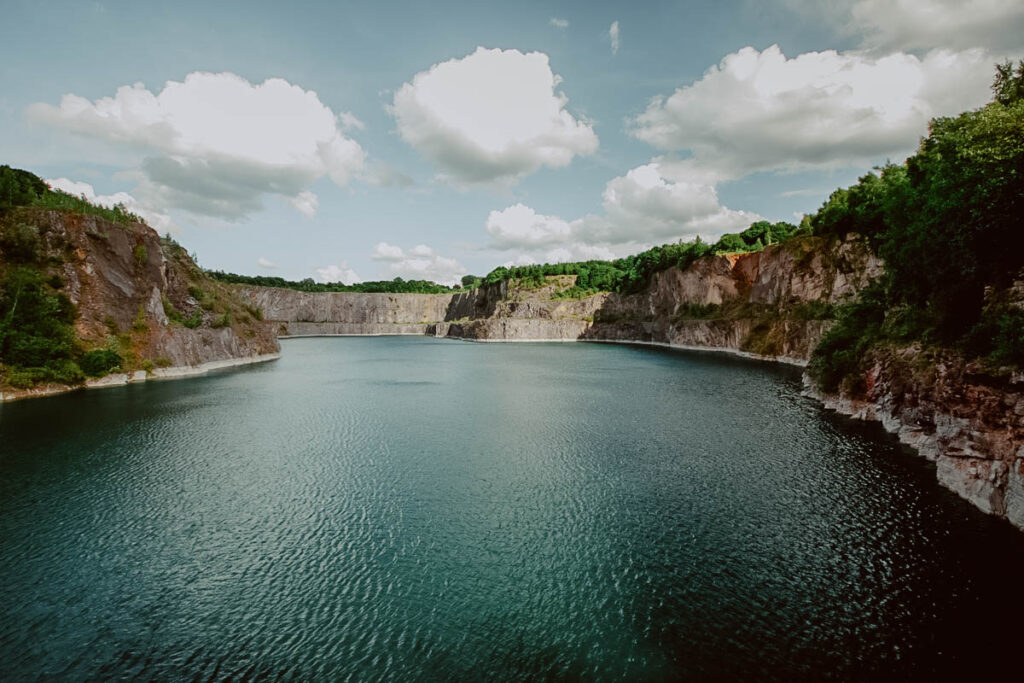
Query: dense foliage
396, 286
21, 188
37, 340
949, 224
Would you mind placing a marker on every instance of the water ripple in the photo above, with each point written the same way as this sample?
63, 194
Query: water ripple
408, 509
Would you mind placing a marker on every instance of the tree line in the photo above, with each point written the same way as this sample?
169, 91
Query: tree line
949, 224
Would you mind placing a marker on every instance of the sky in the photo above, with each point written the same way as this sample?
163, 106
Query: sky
349, 141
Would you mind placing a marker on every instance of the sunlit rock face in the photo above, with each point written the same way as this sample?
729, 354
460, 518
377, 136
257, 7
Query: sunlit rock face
753, 296
123, 279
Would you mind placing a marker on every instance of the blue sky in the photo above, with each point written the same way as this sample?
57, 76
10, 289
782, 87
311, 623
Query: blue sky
343, 140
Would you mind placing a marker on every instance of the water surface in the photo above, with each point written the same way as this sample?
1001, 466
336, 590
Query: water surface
410, 508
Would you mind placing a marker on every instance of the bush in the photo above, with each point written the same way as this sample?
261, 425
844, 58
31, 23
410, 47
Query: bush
35, 321
172, 313
841, 352
140, 324
20, 243
99, 362
19, 188
194, 321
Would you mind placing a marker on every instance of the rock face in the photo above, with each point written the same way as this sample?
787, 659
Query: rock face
760, 303
125, 281
752, 296
969, 423
495, 312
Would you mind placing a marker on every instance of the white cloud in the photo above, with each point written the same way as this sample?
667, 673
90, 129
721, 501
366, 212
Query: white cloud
759, 111
265, 263
951, 24
306, 203
520, 226
613, 37
568, 253
578, 252
559, 23
491, 116
215, 143
649, 205
350, 122
338, 273
160, 222
387, 252
418, 263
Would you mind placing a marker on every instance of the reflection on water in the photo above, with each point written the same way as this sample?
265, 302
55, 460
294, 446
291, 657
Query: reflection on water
413, 508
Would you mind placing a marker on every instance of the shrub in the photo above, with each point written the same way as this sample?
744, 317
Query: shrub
140, 324
194, 321
172, 313
35, 321
841, 352
99, 362
20, 243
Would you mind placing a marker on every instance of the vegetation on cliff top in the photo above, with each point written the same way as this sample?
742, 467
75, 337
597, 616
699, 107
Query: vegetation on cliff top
949, 224
396, 286
22, 188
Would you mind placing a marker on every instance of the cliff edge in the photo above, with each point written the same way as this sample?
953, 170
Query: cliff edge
131, 306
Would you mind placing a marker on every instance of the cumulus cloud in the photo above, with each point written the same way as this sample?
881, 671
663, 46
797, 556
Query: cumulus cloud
418, 263
215, 143
387, 252
520, 226
759, 111
491, 116
338, 273
613, 37
649, 205
160, 222
568, 253
953, 24
559, 23
265, 263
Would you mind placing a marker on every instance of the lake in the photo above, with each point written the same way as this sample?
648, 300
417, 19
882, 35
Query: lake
416, 509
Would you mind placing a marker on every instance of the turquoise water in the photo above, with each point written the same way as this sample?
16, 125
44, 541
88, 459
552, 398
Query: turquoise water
410, 508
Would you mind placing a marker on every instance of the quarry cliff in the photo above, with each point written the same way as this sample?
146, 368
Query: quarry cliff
776, 303
134, 298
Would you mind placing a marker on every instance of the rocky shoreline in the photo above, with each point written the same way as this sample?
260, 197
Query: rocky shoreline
120, 379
